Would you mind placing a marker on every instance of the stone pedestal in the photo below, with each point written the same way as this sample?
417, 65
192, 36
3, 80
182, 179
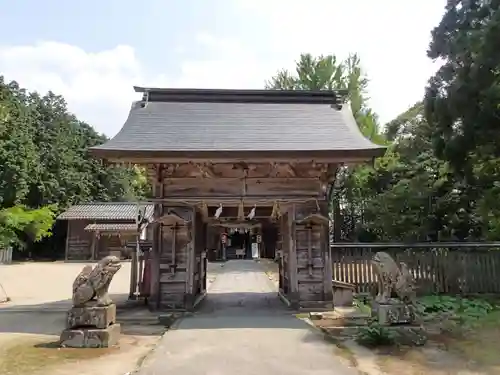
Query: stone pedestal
91, 316
91, 327
90, 337
394, 313
401, 318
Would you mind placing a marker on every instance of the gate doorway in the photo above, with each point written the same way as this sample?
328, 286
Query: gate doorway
239, 150
241, 253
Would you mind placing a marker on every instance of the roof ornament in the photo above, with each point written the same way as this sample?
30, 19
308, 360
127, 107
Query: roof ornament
145, 99
251, 215
315, 218
276, 213
218, 212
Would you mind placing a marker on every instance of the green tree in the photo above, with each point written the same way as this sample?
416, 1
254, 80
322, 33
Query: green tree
328, 73
20, 225
462, 108
46, 164
18, 154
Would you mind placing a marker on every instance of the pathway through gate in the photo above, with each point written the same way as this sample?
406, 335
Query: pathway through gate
243, 328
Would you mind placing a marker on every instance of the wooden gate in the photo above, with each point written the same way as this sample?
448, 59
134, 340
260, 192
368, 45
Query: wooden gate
179, 253
6, 256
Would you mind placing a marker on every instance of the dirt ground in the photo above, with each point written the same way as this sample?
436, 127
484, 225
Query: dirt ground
475, 353
39, 354
31, 322
47, 285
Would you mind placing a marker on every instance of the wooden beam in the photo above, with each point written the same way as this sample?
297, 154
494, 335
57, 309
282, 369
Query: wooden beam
245, 187
172, 180
234, 200
328, 156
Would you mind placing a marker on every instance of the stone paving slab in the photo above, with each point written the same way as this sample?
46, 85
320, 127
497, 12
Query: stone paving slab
242, 328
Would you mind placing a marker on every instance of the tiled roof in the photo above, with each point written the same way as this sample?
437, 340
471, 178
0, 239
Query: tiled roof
104, 211
206, 120
112, 227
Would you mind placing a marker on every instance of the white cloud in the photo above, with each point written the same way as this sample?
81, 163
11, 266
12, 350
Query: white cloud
390, 36
97, 86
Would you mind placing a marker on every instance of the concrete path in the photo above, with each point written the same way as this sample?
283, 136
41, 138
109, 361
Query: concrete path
242, 328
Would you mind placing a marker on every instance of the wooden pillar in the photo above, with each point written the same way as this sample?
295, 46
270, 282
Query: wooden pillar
292, 259
327, 257
93, 246
190, 264
68, 234
311, 260
133, 270
157, 241
154, 294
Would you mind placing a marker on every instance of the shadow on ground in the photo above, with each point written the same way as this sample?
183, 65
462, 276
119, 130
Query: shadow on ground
52, 306
50, 318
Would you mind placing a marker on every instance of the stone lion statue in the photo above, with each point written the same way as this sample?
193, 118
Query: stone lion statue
393, 279
92, 284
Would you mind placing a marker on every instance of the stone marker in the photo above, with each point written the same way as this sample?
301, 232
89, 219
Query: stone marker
91, 322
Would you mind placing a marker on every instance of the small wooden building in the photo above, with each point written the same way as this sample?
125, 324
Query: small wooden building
96, 230
208, 151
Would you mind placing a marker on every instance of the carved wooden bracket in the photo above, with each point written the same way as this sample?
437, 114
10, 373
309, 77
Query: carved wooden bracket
276, 212
207, 170
204, 210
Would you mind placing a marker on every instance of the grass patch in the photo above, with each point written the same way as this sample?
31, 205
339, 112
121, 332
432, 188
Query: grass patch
25, 356
302, 315
362, 305
481, 344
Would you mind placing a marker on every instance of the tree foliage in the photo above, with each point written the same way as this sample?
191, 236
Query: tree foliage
329, 73
20, 225
439, 179
46, 166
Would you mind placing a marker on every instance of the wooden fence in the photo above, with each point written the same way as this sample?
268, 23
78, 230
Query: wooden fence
6, 256
450, 268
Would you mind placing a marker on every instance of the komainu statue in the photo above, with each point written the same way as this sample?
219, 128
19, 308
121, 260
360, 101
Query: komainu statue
92, 284
393, 279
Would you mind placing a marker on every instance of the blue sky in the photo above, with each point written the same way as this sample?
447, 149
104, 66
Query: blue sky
92, 52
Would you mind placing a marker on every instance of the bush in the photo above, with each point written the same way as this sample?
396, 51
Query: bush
376, 335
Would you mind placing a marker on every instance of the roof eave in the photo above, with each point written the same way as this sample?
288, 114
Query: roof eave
146, 156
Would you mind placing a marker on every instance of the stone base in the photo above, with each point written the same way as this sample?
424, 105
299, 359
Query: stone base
393, 313
90, 337
91, 316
